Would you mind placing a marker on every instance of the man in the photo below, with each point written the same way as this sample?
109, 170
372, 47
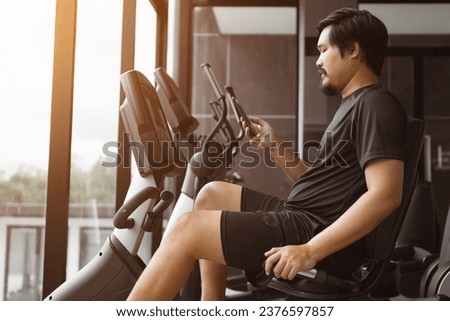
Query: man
353, 185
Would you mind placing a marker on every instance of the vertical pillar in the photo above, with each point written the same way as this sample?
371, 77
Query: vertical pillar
58, 185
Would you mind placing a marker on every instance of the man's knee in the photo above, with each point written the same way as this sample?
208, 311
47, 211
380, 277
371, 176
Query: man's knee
218, 195
211, 196
197, 233
184, 225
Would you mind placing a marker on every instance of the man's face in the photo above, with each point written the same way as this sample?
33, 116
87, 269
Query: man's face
333, 68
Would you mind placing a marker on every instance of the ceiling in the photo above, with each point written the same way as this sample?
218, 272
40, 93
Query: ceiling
256, 20
400, 19
413, 18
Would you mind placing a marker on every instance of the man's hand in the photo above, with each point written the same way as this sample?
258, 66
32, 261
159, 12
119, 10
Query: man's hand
285, 262
265, 136
282, 153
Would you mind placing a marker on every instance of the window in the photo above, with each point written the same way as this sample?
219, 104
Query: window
26, 76
144, 59
24, 260
95, 122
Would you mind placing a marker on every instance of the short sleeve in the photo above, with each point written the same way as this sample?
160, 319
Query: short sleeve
378, 127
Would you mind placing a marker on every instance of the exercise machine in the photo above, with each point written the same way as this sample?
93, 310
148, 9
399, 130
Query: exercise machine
425, 273
436, 278
423, 249
160, 133
113, 272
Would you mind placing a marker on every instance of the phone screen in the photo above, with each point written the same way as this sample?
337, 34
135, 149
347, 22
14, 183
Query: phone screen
244, 116
239, 111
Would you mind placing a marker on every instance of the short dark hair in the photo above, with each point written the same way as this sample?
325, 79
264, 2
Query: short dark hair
351, 25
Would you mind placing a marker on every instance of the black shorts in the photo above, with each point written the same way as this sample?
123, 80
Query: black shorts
264, 223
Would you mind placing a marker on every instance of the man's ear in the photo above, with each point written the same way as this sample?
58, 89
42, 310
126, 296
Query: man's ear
354, 50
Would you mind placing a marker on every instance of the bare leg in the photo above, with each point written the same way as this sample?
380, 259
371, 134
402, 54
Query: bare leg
214, 280
196, 235
216, 196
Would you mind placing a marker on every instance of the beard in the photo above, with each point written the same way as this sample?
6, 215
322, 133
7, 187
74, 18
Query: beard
328, 89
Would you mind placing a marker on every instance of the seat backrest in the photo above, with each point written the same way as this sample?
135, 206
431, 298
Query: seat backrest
381, 241
444, 256
148, 132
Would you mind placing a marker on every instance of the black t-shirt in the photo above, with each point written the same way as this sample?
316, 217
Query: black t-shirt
369, 124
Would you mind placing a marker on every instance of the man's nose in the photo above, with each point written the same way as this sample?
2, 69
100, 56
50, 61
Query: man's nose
319, 62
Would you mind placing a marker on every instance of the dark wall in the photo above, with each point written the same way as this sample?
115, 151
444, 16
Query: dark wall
263, 72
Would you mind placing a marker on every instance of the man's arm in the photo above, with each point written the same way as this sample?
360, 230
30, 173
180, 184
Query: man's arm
280, 151
384, 178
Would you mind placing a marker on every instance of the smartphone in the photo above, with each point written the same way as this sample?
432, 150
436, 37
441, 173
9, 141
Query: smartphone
238, 110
